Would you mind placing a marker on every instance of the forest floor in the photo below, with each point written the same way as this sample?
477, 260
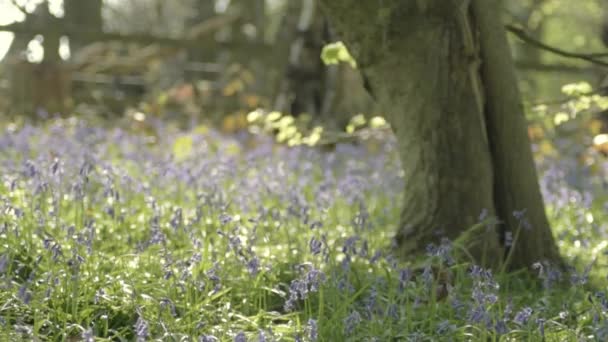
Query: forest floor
111, 235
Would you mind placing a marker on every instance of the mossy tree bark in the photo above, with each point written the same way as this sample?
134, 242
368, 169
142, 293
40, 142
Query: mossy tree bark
442, 71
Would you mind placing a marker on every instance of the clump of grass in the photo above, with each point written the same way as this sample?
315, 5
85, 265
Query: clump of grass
106, 237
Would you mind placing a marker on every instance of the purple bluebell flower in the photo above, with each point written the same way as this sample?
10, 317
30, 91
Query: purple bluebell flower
315, 225
541, 327
141, 329
522, 317
345, 285
24, 294
262, 336
88, 336
235, 244
405, 275
350, 245
577, 279
457, 305
253, 266
478, 314
392, 261
364, 250
176, 219
3, 263
315, 246
225, 219
361, 219
315, 278
312, 330
427, 276
393, 311
167, 303
370, 302
351, 322
501, 327
548, 273
240, 337
346, 263
374, 259
99, 294
520, 215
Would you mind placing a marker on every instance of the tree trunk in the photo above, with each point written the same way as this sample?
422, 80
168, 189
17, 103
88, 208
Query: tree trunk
459, 122
82, 15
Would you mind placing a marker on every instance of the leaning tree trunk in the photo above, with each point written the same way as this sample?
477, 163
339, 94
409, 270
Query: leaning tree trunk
459, 121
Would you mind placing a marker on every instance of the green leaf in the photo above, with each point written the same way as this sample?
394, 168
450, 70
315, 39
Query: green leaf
574, 89
335, 53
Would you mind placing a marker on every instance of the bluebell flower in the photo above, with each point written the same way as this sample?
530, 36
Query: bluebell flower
315, 246
405, 275
345, 285
235, 244
457, 305
25, 295
240, 337
167, 303
549, 274
364, 250
393, 311
370, 303
346, 263
427, 276
176, 219
315, 225
141, 329
501, 327
225, 218
262, 336
377, 255
478, 314
522, 317
541, 326
520, 215
350, 245
88, 336
312, 330
314, 279
253, 266
3, 263
577, 279
351, 322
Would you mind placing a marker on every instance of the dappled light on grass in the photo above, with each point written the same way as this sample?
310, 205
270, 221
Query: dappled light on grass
235, 238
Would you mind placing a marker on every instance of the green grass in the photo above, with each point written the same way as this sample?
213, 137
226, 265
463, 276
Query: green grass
215, 244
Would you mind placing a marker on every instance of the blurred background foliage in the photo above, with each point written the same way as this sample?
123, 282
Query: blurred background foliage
274, 66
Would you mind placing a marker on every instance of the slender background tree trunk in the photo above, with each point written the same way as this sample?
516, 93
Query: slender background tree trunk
516, 182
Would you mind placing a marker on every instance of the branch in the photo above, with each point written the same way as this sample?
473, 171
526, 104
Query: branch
591, 57
94, 35
19, 7
212, 25
552, 67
